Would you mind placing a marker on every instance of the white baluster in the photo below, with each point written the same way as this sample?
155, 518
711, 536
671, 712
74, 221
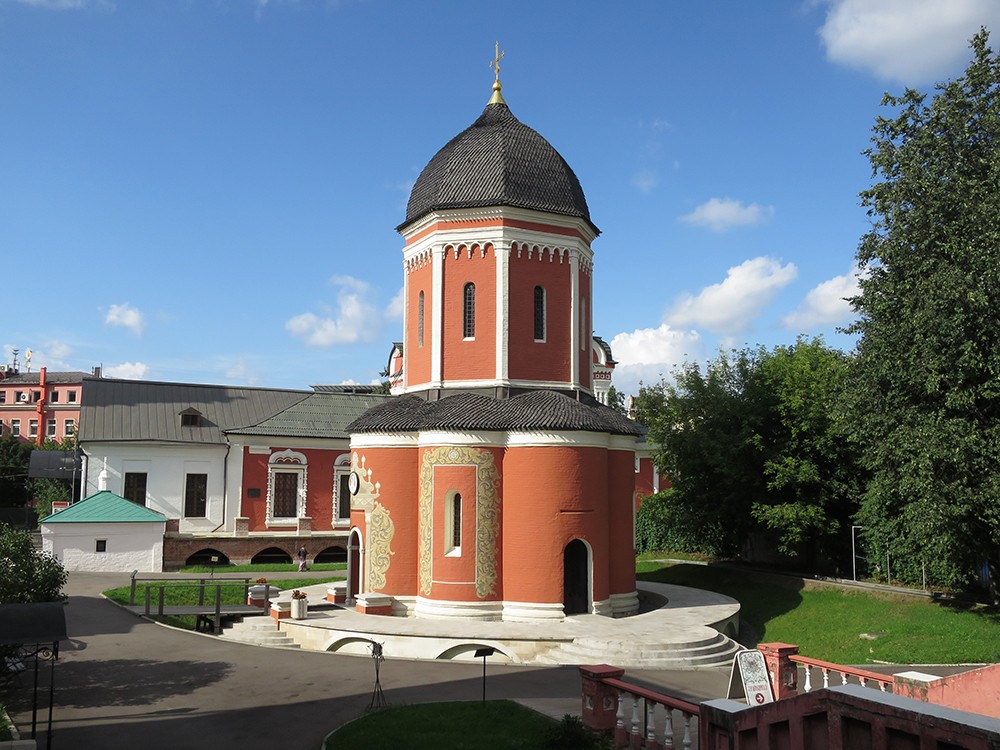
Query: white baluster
687, 731
650, 723
881, 686
620, 715
635, 718
826, 677
808, 683
843, 677
862, 681
668, 730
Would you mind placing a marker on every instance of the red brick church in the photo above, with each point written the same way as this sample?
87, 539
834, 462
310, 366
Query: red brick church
495, 486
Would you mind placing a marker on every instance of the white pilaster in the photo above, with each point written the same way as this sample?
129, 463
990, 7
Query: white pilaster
574, 317
502, 253
437, 312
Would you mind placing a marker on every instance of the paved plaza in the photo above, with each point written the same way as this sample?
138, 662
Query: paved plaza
125, 682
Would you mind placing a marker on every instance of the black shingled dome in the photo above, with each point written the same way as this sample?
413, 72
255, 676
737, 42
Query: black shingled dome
498, 161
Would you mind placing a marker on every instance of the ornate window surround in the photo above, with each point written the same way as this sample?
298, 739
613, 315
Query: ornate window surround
341, 468
293, 462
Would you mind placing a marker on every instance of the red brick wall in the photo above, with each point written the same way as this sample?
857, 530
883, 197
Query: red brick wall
528, 359
418, 358
473, 359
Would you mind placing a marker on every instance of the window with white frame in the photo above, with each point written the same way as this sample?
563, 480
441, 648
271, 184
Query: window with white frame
32, 428
50, 428
342, 490
287, 473
69, 427
71, 397
15, 427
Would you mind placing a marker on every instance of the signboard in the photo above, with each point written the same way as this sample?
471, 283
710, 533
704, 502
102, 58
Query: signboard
754, 684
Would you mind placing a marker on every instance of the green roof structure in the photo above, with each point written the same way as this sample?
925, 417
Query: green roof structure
105, 507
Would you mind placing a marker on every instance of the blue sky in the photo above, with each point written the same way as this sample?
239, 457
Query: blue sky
207, 190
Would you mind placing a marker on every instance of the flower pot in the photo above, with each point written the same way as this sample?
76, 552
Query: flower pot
300, 608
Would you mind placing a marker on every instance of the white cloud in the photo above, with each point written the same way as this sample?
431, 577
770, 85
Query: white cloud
722, 214
395, 309
825, 304
732, 305
354, 320
127, 370
645, 180
910, 41
650, 354
126, 316
239, 372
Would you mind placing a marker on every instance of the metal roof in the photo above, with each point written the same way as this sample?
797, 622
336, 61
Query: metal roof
321, 415
139, 410
105, 507
497, 161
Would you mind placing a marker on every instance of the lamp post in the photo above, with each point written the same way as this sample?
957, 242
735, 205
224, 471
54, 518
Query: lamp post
854, 556
485, 652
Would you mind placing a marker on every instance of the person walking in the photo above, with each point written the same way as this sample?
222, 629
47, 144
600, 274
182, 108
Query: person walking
303, 556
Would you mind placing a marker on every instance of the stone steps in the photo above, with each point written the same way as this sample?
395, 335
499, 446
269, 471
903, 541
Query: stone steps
258, 630
713, 651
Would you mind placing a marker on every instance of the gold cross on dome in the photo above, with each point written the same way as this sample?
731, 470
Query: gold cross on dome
495, 62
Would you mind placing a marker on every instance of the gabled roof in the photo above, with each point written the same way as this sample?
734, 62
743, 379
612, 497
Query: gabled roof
147, 411
535, 410
105, 507
320, 415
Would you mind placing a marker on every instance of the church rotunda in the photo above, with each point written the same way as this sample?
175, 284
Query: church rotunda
495, 486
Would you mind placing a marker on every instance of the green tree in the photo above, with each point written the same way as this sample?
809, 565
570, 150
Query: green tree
925, 395
752, 445
616, 400
706, 426
27, 575
14, 457
812, 472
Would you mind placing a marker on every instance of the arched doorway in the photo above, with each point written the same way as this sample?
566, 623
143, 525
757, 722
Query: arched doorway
576, 578
355, 564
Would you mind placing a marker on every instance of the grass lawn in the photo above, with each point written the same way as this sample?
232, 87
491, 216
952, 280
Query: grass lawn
497, 725
180, 593
827, 622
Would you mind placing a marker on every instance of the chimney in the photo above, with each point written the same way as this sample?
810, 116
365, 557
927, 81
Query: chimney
97, 371
102, 478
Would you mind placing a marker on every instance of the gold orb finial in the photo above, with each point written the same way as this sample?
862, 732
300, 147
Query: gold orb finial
497, 97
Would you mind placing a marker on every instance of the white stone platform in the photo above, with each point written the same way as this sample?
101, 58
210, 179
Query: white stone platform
690, 631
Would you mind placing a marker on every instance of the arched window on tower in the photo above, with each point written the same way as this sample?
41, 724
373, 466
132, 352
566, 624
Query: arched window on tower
539, 313
420, 319
469, 311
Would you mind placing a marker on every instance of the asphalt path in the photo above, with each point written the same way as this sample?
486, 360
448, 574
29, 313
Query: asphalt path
122, 681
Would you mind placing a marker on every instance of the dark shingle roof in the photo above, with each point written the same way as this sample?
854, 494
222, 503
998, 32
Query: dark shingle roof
143, 410
321, 415
535, 410
498, 161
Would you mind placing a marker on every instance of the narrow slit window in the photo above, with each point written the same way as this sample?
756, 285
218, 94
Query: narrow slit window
456, 522
539, 313
420, 319
469, 311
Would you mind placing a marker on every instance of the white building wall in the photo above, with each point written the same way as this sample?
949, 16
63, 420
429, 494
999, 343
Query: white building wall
166, 467
128, 546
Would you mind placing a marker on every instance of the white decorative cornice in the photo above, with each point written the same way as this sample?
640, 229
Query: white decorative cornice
362, 440
464, 438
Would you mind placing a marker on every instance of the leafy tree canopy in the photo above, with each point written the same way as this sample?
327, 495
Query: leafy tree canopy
924, 399
27, 575
750, 444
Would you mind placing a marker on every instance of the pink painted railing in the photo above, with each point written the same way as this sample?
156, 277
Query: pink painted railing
642, 718
863, 676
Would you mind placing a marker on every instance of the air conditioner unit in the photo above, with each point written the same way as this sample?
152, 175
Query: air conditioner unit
24, 397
